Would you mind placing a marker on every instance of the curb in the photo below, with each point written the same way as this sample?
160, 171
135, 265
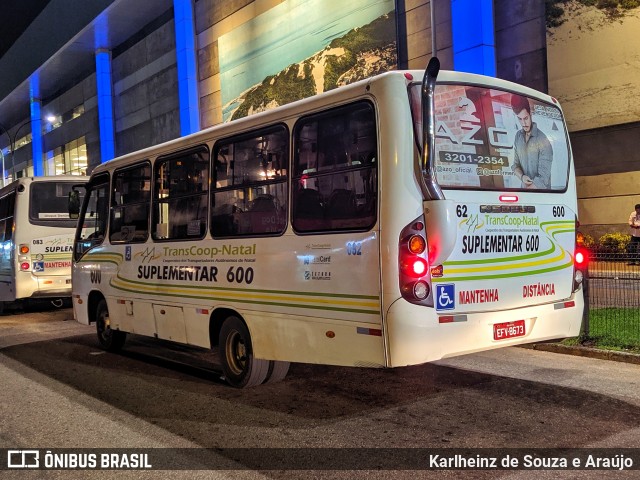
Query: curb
586, 352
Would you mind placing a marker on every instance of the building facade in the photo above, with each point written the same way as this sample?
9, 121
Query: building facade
127, 74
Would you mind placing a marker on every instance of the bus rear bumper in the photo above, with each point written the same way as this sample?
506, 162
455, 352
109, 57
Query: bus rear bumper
54, 286
51, 293
419, 334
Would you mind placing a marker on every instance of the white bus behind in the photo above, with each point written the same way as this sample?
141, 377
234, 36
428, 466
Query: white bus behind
36, 234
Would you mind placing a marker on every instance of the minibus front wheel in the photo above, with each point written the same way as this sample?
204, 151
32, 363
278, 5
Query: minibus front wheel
110, 340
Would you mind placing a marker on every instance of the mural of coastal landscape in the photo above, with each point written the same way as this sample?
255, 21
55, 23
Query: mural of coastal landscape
291, 52
593, 54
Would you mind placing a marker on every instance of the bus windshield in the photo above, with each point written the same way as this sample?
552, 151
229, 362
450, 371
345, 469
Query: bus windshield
489, 139
49, 204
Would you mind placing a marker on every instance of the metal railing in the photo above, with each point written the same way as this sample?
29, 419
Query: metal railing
612, 299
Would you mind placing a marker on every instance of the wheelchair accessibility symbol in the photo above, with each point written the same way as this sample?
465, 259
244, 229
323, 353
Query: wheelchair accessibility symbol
445, 296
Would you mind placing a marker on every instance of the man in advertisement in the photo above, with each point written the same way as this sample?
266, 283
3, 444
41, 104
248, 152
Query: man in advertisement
533, 153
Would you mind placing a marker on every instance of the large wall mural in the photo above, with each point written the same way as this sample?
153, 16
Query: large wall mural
292, 52
593, 53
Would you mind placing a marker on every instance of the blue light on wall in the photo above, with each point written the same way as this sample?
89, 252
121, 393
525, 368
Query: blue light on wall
473, 36
186, 59
36, 125
49, 163
105, 104
101, 32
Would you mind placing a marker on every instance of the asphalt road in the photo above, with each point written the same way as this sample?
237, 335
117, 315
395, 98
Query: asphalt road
59, 390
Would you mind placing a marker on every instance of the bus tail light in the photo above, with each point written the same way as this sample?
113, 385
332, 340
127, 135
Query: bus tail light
580, 266
23, 257
418, 267
417, 244
421, 290
580, 260
413, 264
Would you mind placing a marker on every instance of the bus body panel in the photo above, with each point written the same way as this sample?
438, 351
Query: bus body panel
316, 340
51, 254
50, 260
134, 316
536, 269
504, 257
416, 335
307, 302
335, 297
400, 201
31, 286
7, 272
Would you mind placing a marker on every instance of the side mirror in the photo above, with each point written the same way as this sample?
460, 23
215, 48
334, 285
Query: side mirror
74, 204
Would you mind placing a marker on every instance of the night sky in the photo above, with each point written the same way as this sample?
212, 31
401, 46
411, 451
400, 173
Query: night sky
16, 16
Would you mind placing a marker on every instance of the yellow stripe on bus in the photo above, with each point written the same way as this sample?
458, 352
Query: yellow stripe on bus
513, 266
193, 291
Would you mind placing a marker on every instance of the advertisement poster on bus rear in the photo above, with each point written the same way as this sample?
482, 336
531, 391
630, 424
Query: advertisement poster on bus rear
495, 140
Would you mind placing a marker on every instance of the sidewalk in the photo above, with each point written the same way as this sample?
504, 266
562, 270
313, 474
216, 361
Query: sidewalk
586, 352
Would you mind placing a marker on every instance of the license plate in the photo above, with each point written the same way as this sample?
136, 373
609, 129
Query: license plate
505, 330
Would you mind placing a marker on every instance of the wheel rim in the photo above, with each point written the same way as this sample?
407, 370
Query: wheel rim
236, 353
104, 327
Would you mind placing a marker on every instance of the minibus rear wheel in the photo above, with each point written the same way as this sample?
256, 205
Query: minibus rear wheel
241, 368
277, 371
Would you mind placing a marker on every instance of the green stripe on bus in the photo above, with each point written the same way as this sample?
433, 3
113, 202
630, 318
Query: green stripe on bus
504, 275
278, 304
503, 259
253, 290
91, 257
562, 231
558, 222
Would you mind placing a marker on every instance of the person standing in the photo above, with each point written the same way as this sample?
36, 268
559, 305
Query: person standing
533, 153
634, 245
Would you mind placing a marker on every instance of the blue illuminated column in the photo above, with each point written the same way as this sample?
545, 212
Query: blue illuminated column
105, 104
36, 126
186, 59
473, 36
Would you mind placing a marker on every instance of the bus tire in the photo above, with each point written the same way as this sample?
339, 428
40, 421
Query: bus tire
241, 368
277, 371
110, 340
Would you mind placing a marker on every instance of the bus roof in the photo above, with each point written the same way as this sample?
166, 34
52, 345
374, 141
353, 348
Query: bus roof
51, 178
306, 105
